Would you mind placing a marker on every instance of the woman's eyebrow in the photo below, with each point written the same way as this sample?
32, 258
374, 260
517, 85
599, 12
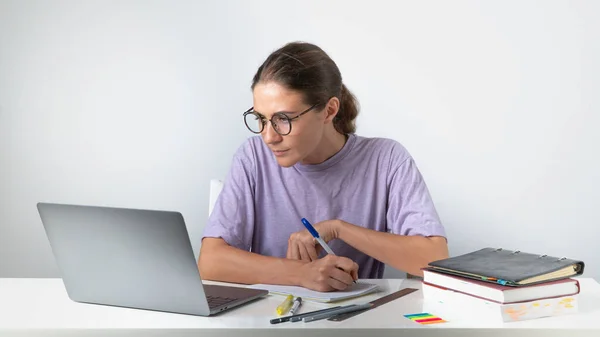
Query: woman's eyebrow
279, 112
287, 112
257, 113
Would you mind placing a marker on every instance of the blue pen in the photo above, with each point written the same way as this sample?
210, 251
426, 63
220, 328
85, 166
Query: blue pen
315, 234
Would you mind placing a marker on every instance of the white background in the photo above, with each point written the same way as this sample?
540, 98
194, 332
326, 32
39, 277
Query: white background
139, 103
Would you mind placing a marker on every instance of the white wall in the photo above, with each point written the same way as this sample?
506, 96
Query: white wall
138, 104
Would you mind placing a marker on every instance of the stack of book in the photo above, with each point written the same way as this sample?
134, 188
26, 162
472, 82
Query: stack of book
502, 285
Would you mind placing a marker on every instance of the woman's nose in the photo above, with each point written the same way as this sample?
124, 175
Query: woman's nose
270, 135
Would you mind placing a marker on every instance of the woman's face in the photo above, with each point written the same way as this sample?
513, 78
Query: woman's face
306, 131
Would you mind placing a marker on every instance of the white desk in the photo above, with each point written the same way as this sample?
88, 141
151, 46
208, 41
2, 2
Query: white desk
40, 307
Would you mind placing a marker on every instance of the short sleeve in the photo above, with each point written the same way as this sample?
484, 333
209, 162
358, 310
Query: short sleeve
410, 207
232, 218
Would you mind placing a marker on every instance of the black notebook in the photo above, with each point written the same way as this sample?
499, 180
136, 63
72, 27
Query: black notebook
507, 267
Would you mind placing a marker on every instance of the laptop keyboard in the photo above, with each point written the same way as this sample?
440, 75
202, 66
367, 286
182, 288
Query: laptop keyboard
215, 301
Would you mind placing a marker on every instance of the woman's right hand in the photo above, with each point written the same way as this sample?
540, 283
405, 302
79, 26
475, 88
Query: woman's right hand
329, 273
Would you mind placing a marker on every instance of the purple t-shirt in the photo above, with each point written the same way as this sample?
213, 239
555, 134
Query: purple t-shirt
370, 182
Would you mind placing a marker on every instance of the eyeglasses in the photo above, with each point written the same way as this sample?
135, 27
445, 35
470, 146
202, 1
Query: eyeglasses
281, 122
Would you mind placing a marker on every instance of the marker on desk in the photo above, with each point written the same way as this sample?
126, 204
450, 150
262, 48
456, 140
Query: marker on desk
283, 308
315, 234
298, 317
297, 303
342, 310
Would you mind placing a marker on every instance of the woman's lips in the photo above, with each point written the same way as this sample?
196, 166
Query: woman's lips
279, 153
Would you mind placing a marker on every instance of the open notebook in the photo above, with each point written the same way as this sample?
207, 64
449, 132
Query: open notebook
357, 289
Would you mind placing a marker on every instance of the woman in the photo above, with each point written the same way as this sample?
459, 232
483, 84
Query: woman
365, 196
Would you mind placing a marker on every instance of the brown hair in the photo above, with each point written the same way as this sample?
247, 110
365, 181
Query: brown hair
306, 68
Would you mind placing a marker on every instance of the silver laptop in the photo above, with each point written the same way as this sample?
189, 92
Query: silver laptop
133, 258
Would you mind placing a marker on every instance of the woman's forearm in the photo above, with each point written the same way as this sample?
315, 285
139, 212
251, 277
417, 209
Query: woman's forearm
219, 261
406, 253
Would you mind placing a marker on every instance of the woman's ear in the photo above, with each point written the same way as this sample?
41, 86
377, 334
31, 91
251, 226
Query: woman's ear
331, 109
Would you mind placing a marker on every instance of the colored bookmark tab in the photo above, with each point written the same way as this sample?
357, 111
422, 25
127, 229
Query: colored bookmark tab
417, 316
425, 318
429, 320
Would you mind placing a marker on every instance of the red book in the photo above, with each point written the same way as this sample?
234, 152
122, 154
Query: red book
498, 293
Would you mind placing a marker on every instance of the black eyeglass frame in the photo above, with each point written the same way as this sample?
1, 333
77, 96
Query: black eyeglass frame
279, 115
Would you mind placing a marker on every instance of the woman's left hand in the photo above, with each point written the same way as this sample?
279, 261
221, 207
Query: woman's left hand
303, 246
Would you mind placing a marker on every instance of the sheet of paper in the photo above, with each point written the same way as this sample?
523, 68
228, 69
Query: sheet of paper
358, 289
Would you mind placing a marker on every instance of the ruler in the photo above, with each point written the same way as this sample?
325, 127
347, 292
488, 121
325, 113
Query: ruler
380, 301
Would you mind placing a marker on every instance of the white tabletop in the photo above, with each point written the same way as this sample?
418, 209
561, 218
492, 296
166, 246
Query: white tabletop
41, 307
